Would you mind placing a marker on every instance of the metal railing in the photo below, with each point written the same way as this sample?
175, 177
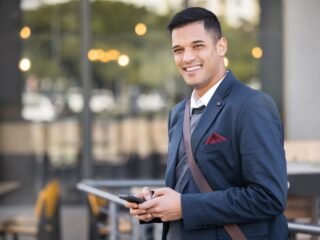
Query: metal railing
93, 187
304, 228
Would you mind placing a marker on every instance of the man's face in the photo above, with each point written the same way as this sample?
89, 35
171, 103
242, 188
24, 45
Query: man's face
198, 56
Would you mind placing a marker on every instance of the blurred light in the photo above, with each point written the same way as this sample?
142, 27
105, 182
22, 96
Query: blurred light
100, 53
75, 100
226, 61
123, 60
106, 57
140, 29
37, 107
101, 100
114, 54
24, 64
103, 56
93, 55
257, 52
25, 32
151, 102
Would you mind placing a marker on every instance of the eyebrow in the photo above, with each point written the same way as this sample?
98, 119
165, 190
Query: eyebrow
194, 42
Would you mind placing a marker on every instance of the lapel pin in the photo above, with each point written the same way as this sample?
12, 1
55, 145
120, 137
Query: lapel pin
218, 104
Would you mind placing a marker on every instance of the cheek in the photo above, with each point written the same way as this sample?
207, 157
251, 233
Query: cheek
177, 60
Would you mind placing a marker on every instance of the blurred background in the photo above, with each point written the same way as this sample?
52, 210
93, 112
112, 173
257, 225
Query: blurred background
86, 86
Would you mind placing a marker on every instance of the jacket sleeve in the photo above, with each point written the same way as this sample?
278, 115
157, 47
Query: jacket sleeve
263, 189
170, 120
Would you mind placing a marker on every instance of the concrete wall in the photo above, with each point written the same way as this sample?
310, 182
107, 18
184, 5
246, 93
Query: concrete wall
301, 69
271, 41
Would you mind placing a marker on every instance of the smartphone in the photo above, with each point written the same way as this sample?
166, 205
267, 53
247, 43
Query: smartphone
131, 198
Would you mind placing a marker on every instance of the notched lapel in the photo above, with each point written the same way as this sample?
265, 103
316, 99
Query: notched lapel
211, 112
173, 150
207, 119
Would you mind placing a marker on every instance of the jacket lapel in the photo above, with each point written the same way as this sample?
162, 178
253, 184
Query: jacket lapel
173, 149
210, 113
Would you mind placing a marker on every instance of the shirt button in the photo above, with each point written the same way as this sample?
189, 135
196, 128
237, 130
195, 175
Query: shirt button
218, 104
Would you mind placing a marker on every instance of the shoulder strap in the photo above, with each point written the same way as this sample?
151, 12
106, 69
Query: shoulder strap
232, 229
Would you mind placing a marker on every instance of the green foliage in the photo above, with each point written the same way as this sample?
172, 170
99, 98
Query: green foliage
55, 43
54, 47
240, 42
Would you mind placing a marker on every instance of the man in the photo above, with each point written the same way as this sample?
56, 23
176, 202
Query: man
236, 141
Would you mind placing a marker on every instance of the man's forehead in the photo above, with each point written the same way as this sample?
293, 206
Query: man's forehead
190, 34
197, 24
191, 29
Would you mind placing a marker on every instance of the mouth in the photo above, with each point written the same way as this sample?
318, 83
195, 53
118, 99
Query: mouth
192, 68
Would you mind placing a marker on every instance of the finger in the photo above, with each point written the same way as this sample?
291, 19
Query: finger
131, 205
145, 217
140, 195
148, 204
147, 193
137, 211
153, 212
160, 191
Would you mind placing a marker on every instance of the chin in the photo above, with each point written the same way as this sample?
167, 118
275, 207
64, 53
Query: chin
191, 83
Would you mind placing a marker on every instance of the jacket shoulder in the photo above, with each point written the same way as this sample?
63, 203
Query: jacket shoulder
247, 94
178, 107
174, 112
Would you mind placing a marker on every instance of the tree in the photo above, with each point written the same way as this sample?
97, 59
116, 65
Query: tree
54, 47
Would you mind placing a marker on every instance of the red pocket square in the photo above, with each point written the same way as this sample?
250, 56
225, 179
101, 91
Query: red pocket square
215, 138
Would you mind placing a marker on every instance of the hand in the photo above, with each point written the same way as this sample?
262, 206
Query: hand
141, 214
166, 205
147, 193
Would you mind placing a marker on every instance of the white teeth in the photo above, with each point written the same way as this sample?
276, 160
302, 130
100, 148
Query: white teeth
189, 69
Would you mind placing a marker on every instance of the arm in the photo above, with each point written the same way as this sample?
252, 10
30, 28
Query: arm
166, 203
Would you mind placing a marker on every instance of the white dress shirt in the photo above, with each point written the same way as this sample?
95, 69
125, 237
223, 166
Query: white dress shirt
204, 100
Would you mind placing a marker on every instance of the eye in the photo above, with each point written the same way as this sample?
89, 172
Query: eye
198, 46
177, 50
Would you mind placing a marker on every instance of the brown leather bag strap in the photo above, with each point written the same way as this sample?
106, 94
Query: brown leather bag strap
232, 229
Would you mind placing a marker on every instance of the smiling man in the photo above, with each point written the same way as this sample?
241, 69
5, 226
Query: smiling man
226, 169
198, 54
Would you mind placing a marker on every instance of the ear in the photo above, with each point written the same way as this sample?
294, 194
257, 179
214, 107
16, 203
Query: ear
222, 46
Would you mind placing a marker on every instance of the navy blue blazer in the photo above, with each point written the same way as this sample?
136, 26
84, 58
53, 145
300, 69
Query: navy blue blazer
247, 168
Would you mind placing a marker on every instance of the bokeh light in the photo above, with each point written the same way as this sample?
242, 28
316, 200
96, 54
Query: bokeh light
140, 29
123, 60
25, 32
24, 64
257, 52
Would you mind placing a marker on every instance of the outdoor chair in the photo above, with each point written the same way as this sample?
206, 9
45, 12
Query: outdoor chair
46, 223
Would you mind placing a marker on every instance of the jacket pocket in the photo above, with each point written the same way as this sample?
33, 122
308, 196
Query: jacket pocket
217, 157
216, 146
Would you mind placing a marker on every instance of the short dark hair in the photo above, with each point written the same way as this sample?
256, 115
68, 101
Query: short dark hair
196, 14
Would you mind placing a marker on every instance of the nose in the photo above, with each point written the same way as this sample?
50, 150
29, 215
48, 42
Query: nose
188, 55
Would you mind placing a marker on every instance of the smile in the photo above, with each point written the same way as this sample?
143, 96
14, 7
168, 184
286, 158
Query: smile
191, 69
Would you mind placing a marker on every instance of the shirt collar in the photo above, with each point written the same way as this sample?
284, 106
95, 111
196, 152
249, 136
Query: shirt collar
196, 102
